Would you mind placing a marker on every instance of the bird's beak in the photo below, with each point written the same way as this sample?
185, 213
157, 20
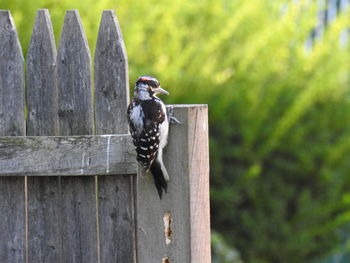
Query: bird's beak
161, 91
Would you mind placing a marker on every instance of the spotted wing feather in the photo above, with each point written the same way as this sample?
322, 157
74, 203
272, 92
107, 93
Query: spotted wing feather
147, 141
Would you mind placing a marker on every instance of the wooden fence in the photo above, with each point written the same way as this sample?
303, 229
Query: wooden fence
69, 190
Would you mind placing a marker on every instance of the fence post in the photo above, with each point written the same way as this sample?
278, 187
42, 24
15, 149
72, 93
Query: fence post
177, 228
199, 183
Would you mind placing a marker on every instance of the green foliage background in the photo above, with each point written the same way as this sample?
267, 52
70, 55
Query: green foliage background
279, 109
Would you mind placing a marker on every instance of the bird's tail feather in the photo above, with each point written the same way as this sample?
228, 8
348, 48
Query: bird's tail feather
159, 177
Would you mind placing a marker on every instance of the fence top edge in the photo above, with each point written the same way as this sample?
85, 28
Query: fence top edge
187, 105
69, 136
108, 11
45, 10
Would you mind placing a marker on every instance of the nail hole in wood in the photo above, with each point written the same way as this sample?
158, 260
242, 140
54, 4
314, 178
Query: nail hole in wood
167, 219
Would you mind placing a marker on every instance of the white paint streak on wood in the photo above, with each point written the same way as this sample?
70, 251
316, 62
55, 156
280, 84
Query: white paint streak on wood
108, 150
82, 164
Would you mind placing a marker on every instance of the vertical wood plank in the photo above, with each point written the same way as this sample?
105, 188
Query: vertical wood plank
12, 123
78, 197
74, 78
173, 224
199, 183
111, 77
115, 193
11, 79
43, 192
151, 210
42, 78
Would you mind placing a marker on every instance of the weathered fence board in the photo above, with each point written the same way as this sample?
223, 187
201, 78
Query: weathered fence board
74, 78
44, 237
12, 123
151, 210
174, 214
42, 79
198, 146
111, 77
78, 197
42, 102
115, 193
67, 155
78, 219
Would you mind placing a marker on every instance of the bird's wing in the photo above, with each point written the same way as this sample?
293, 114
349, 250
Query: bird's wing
148, 141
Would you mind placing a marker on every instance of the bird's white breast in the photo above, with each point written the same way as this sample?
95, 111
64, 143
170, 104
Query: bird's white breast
136, 117
163, 129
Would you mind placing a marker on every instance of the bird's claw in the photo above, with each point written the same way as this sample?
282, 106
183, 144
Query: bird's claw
172, 119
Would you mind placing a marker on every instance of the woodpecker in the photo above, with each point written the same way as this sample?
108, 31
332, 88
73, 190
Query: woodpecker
149, 126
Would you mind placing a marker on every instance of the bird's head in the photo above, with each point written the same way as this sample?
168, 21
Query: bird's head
147, 87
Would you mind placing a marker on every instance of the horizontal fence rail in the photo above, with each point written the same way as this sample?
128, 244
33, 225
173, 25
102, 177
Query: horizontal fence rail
67, 156
69, 190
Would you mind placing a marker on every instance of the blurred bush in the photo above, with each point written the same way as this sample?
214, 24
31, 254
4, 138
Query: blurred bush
279, 109
221, 251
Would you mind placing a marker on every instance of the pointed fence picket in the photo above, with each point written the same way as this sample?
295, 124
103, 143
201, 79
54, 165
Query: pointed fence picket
69, 190
12, 123
115, 193
43, 199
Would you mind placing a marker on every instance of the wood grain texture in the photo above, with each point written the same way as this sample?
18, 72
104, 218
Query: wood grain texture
182, 202
199, 183
67, 155
12, 219
115, 193
12, 123
42, 102
151, 238
78, 197
78, 209
42, 94
44, 219
116, 218
111, 77
74, 78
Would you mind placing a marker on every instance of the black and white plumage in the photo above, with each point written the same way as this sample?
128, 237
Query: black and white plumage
149, 128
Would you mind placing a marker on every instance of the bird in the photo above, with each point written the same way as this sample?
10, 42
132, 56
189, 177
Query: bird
149, 128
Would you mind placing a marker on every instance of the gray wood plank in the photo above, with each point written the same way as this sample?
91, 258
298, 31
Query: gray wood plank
67, 155
43, 219
111, 77
12, 219
116, 193
42, 103
78, 197
74, 78
79, 239
42, 79
12, 123
151, 210
116, 218
167, 228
